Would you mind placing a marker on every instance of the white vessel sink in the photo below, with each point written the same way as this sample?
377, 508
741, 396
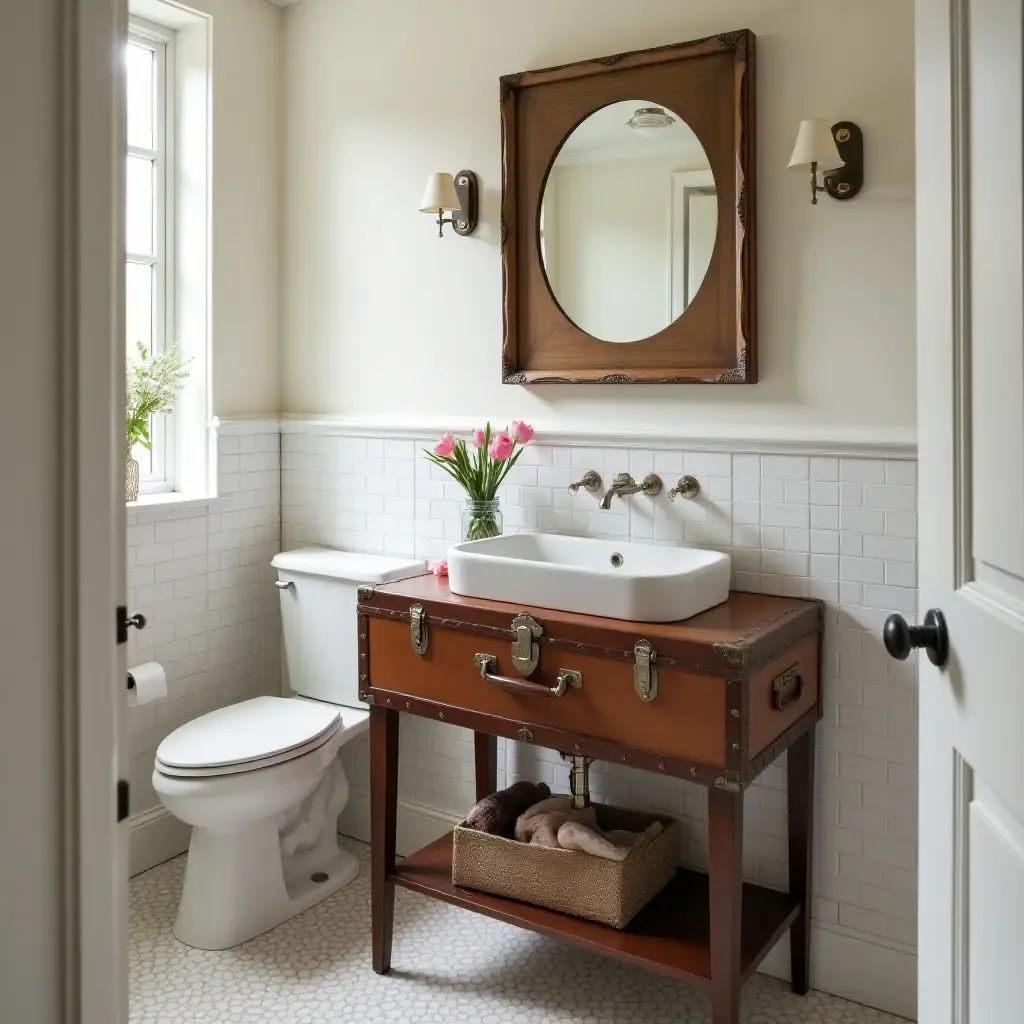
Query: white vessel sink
614, 579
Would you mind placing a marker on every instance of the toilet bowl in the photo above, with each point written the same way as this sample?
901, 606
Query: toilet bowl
260, 781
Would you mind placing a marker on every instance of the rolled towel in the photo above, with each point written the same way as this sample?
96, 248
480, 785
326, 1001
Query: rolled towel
615, 844
540, 823
498, 813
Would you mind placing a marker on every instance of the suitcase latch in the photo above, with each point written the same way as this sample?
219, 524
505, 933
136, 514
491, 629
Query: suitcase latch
418, 628
525, 653
645, 671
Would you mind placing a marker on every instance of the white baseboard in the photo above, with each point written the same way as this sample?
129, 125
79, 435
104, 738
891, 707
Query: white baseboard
417, 825
845, 963
153, 837
856, 966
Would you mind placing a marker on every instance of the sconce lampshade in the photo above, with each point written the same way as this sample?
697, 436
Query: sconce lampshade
815, 144
440, 195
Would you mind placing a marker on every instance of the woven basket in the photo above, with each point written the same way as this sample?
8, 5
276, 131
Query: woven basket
610, 892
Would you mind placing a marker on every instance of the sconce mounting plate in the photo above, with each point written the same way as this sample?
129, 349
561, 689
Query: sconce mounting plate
846, 181
465, 220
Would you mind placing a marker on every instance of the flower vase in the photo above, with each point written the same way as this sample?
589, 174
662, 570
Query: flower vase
481, 519
131, 477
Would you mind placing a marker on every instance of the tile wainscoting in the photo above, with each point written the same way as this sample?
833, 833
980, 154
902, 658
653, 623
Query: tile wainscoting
201, 575
838, 527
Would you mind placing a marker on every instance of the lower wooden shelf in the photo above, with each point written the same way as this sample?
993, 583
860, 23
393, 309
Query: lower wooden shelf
670, 935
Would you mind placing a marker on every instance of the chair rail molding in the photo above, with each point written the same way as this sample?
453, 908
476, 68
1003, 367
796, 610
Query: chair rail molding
851, 442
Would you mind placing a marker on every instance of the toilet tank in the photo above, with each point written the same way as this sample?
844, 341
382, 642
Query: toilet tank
318, 613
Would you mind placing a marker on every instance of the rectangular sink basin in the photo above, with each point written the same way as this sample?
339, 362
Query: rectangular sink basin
614, 579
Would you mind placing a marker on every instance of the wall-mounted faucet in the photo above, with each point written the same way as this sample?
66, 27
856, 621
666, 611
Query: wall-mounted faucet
624, 484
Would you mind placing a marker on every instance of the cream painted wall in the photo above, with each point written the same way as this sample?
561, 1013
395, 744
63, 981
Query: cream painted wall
378, 95
30, 389
246, 205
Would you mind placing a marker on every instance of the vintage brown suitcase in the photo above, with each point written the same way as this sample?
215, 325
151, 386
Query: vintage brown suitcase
714, 698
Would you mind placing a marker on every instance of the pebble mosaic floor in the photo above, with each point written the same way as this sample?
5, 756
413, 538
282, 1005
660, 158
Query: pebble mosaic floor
450, 965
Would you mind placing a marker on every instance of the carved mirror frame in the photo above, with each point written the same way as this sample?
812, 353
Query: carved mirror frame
710, 84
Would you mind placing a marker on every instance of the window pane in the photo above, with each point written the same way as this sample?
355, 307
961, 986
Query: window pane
138, 287
140, 66
139, 214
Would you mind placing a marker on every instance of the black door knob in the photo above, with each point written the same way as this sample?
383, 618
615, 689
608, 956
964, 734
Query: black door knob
138, 620
900, 638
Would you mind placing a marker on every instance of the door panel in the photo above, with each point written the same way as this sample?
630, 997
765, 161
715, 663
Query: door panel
996, 875
996, 297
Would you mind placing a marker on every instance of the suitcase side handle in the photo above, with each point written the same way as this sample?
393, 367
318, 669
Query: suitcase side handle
567, 677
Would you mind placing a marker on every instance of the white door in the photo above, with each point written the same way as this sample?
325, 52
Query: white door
970, 286
96, 31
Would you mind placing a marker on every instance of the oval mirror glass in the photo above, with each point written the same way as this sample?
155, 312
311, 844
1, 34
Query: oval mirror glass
628, 221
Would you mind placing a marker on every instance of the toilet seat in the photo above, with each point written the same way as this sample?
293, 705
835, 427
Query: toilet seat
243, 737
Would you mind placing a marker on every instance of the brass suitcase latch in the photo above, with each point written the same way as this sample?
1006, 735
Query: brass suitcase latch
645, 671
525, 653
418, 629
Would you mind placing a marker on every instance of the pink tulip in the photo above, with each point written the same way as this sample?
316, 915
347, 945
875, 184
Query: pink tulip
445, 446
501, 447
478, 437
440, 567
522, 432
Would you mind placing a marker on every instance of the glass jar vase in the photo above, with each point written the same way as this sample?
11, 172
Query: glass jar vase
481, 519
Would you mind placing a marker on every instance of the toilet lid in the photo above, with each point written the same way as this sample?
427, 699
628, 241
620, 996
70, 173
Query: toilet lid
262, 730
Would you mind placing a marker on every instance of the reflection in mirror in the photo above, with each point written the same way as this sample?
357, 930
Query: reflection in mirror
628, 221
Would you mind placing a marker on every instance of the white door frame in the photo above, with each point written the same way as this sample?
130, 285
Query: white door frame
94, 962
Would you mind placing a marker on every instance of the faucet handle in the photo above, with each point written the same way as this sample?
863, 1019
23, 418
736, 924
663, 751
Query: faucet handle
651, 484
591, 482
686, 487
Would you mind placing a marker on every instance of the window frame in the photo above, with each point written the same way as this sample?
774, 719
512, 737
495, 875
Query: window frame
157, 468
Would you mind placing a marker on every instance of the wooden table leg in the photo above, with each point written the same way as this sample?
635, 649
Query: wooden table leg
800, 783
725, 878
383, 822
485, 754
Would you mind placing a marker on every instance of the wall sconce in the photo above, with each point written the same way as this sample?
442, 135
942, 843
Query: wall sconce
458, 196
838, 150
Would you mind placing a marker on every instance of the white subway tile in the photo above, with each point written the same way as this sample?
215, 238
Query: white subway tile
798, 540
864, 471
890, 496
899, 524
862, 520
797, 492
746, 466
703, 464
824, 493
785, 515
904, 473
824, 518
851, 495
785, 467
824, 469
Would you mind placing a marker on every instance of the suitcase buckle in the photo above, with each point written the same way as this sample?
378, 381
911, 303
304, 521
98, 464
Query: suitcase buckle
525, 653
645, 671
418, 629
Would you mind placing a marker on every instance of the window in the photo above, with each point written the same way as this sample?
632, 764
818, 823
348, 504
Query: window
149, 222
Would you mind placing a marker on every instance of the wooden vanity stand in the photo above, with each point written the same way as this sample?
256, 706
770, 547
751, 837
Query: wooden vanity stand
714, 699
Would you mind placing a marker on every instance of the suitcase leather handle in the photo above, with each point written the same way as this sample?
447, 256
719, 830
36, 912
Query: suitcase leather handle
487, 663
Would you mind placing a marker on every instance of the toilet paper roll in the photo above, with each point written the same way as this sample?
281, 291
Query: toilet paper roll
146, 683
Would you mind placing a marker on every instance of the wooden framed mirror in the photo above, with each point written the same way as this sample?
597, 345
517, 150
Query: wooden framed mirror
628, 218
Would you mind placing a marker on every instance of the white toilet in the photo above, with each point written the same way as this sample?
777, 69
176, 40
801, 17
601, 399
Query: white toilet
260, 781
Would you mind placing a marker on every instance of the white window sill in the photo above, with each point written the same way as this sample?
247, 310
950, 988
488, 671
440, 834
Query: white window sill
171, 499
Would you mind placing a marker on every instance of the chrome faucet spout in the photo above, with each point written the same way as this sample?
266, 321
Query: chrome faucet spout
624, 484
